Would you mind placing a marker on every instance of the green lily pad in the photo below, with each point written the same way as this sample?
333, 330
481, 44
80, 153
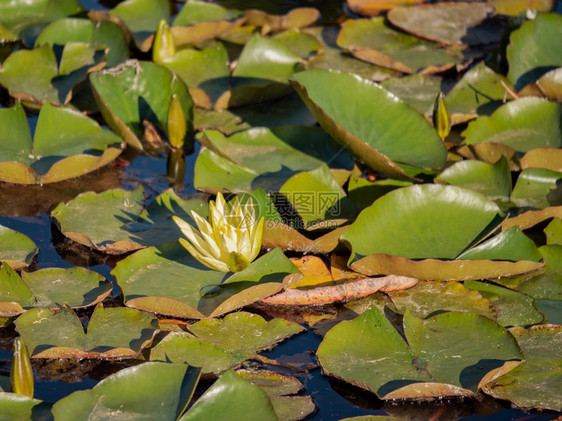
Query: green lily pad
448, 23
261, 74
119, 220
205, 72
187, 289
199, 21
263, 158
20, 407
383, 362
299, 43
332, 57
479, 92
553, 232
375, 41
366, 125
534, 383
418, 91
538, 188
217, 345
491, 180
152, 390
29, 73
318, 198
137, 91
229, 397
75, 287
547, 285
112, 333
289, 110
363, 192
142, 18
422, 221
430, 297
532, 52
16, 249
550, 84
66, 144
514, 308
26, 18
35, 77
105, 33
523, 124
510, 245
277, 386
271, 382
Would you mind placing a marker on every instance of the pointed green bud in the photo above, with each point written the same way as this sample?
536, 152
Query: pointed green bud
21, 374
177, 126
441, 116
176, 167
163, 45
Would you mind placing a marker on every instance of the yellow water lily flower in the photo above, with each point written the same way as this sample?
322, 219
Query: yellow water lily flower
231, 238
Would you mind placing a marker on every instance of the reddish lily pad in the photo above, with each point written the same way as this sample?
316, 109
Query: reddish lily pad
374, 41
448, 23
374, 7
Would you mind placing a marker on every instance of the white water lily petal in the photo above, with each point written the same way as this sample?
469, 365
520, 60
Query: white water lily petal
230, 240
208, 261
195, 238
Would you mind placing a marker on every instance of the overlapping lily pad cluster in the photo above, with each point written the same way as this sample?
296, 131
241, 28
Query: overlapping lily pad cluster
405, 161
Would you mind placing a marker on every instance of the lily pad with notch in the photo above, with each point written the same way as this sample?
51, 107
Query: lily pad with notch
384, 363
66, 144
136, 91
217, 345
111, 333
51, 288
167, 280
120, 221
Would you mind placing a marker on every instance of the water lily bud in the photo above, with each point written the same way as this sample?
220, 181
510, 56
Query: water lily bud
21, 374
177, 126
176, 167
163, 46
441, 116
